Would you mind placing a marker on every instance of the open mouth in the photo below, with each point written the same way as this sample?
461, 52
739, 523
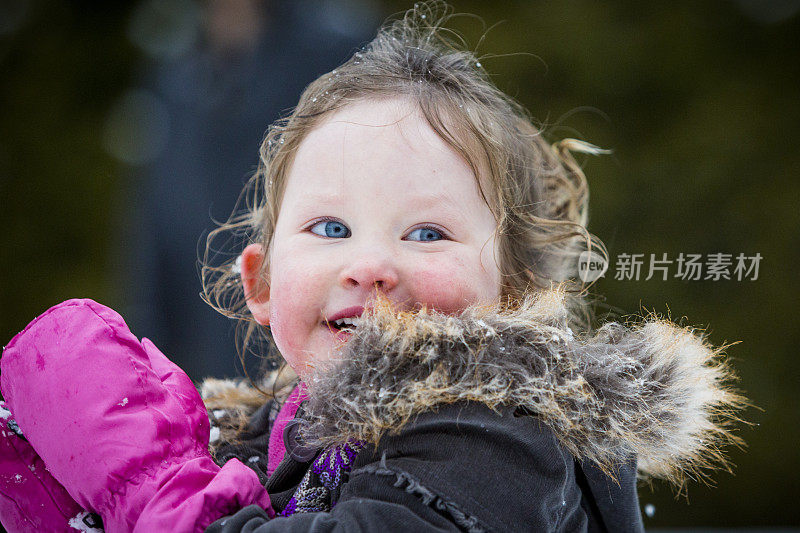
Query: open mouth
344, 324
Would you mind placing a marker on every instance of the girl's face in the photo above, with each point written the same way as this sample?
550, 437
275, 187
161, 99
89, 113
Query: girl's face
375, 200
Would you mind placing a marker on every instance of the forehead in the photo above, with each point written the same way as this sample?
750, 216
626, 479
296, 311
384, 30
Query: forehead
379, 142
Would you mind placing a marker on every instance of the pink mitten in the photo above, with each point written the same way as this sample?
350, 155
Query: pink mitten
119, 426
30, 499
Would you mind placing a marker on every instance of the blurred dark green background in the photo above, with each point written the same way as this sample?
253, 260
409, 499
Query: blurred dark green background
700, 102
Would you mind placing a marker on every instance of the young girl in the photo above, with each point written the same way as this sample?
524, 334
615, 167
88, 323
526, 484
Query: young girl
412, 244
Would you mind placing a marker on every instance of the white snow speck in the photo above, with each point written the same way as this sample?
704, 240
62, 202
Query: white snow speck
77, 522
253, 459
219, 413
236, 267
32, 468
4, 413
18, 478
124, 402
649, 509
555, 338
214, 434
14, 427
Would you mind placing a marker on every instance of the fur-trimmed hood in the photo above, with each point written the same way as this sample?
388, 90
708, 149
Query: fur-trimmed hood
654, 389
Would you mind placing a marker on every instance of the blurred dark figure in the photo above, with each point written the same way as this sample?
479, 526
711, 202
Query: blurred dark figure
213, 103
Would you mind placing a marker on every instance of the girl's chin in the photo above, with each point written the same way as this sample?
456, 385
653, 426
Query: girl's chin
328, 350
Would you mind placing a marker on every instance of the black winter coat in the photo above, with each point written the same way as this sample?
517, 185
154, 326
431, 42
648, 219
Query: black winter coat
501, 422
462, 468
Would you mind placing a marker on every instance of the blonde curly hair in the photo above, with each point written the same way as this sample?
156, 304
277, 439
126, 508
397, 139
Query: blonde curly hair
536, 191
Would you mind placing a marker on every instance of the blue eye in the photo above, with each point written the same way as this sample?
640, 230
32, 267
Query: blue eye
425, 235
330, 228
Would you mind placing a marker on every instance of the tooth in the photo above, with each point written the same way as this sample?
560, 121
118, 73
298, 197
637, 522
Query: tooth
347, 321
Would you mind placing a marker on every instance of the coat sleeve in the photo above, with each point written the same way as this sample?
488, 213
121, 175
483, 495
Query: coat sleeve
461, 468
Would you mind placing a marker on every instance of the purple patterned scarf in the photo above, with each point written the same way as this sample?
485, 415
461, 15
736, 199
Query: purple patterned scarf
328, 471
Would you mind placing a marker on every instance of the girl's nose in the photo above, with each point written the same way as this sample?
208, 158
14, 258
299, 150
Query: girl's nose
370, 272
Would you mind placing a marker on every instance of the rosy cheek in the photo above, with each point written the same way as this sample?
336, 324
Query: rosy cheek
288, 315
446, 286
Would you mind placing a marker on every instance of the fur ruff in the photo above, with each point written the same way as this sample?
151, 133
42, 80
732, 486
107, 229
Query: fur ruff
230, 403
655, 390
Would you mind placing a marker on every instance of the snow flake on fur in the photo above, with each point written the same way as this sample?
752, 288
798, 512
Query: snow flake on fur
654, 390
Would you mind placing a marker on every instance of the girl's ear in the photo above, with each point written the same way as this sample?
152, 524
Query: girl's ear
256, 289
